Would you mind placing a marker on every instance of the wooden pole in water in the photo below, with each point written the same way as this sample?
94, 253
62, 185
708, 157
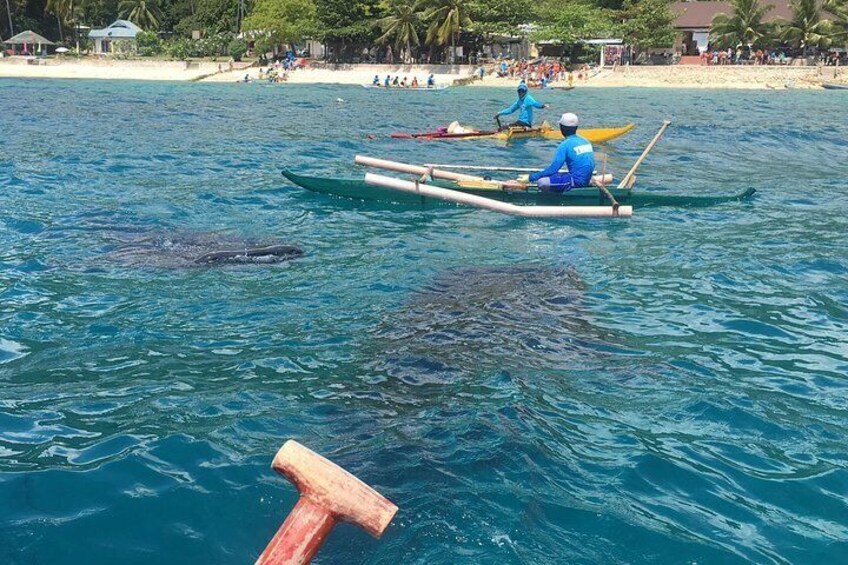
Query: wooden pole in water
495, 205
328, 495
603, 188
627, 179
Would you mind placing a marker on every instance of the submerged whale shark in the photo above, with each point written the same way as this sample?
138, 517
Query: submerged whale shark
491, 318
187, 250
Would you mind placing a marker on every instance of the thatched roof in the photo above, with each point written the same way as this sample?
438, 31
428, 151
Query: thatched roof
29, 37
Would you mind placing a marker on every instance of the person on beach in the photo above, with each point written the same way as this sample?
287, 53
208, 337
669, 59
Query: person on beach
388, 82
396, 82
525, 103
431, 81
414, 82
376, 81
576, 153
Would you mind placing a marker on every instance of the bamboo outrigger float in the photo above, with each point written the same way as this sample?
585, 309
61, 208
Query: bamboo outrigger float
459, 197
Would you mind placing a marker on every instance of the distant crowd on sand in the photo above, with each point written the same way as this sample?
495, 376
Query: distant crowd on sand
746, 56
540, 73
278, 67
388, 82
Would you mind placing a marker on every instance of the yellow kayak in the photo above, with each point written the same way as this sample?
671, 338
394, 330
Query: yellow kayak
593, 135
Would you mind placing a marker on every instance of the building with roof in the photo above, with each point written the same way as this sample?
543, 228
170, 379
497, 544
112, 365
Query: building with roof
119, 37
694, 21
26, 41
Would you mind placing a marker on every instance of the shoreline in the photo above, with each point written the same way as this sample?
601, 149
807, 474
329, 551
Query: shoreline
677, 76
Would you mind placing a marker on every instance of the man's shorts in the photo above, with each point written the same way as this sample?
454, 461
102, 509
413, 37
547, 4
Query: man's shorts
560, 182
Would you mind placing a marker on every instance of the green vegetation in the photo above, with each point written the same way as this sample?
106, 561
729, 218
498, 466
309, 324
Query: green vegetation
807, 30
813, 27
401, 25
144, 13
647, 23
349, 28
148, 44
747, 24
237, 49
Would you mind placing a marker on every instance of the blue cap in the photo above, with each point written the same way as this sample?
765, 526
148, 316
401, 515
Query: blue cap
522, 87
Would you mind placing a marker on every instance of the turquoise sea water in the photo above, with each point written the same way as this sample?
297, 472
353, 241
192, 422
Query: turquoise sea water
668, 389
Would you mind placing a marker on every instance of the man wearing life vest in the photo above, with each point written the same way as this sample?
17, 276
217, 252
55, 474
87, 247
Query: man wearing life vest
525, 103
575, 153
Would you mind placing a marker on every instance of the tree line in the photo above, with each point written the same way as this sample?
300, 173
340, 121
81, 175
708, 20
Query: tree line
815, 26
417, 26
346, 25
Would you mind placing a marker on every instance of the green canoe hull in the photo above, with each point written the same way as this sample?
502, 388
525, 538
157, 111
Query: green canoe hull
357, 189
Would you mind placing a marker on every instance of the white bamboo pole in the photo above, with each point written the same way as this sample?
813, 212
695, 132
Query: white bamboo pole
411, 169
482, 168
441, 174
498, 169
495, 205
626, 180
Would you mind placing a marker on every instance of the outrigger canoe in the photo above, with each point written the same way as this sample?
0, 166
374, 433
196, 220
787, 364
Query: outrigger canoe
594, 135
835, 86
357, 189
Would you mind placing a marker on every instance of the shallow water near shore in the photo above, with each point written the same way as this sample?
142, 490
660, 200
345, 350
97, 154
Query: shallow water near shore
670, 388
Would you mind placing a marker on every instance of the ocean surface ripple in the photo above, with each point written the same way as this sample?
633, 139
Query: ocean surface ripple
667, 389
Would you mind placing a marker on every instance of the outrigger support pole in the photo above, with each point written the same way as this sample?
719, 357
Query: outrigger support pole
627, 181
603, 188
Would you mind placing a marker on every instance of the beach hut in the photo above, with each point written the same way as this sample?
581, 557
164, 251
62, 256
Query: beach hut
119, 37
26, 41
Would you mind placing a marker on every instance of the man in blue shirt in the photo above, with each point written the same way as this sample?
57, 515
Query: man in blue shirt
576, 153
525, 103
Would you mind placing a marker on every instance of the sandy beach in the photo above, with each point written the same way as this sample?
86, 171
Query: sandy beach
706, 77
109, 69
358, 74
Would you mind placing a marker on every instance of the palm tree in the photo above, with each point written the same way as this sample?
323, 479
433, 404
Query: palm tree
402, 23
807, 29
64, 12
9, 13
838, 9
144, 13
447, 18
746, 25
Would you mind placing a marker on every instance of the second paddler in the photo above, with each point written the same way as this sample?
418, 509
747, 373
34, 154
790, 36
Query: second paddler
525, 103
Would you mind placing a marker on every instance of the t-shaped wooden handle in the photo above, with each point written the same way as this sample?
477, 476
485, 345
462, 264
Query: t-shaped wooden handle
328, 494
